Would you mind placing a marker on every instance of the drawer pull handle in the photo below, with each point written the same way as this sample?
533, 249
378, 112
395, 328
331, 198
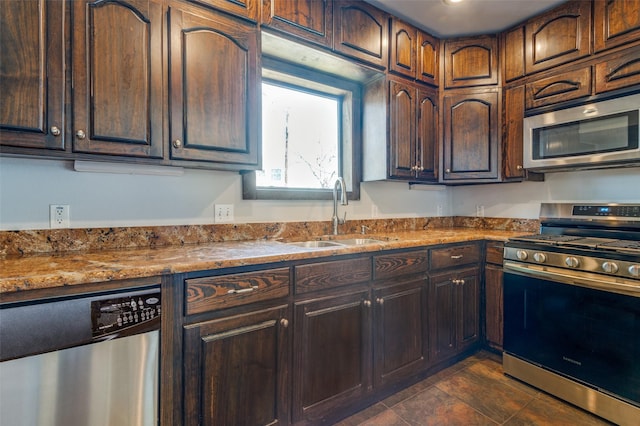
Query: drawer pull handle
367, 303
284, 323
457, 256
243, 290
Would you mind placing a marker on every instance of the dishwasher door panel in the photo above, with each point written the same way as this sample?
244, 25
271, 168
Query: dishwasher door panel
114, 382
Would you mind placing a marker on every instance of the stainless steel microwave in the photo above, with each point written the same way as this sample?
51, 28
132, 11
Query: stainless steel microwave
597, 135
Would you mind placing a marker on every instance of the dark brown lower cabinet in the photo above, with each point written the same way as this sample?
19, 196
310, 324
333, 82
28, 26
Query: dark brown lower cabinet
454, 299
493, 274
236, 369
400, 331
332, 354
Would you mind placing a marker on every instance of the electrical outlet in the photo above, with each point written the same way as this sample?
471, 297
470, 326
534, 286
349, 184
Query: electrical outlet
440, 210
58, 216
223, 213
479, 211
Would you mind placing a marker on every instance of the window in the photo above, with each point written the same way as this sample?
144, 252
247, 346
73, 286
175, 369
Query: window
310, 135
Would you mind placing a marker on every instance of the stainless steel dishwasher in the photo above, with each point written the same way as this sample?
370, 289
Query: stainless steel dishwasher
85, 360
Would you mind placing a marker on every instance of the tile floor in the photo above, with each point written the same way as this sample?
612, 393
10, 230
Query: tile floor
472, 392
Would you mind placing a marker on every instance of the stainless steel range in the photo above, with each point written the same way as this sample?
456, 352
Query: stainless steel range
572, 307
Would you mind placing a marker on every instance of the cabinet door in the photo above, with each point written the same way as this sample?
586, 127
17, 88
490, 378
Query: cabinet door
513, 53
32, 63
468, 308
236, 370
402, 130
427, 135
332, 354
616, 22
309, 19
493, 305
471, 135
618, 71
566, 86
400, 345
402, 59
471, 61
442, 316
361, 31
112, 114
513, 128
427, 59
559, 36
214, 89
249, 9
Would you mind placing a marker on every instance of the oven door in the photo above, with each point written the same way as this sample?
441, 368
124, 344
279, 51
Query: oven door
586, 334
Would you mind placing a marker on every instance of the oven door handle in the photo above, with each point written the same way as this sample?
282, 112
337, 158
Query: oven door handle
581, 279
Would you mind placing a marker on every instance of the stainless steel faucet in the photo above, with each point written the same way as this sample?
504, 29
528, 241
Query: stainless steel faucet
343, 201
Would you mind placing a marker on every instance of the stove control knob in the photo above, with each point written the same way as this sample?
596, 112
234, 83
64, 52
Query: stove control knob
539, 257
572, 262
610, 267
522, 255
634, 270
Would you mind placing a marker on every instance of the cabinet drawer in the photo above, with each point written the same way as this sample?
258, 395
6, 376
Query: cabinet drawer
618, 71
566, 86
448, 257
495, 251
323, 275
392, 265
224, 291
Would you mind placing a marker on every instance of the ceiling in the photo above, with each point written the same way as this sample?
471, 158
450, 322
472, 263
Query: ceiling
470, 17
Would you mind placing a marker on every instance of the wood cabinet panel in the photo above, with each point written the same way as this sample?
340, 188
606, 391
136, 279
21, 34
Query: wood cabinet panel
558, 88
400, 340
453, 256
471, 125
618, 71
514, 54
311, 20
235, 361
215, 88
32, 81
616, 22
427, 142
428, 59
471, 61
403, 44
336, 273
493, 275
468, 332
494, 252
111, 40
394, 265
332, 355
513, 132
249, 9
402, 129
361, 31
558, 36
225, 291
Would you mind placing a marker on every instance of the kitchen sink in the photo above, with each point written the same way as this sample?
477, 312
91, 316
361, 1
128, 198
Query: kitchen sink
316, 244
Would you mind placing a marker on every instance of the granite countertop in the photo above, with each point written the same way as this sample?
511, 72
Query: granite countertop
50, 270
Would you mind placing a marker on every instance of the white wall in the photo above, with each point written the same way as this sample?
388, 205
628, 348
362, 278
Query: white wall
29, 186
522, 200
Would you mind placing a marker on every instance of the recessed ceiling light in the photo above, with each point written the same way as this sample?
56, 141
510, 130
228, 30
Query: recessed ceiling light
451, 2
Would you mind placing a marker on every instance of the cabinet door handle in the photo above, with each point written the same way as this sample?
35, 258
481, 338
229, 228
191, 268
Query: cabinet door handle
284, 323
177, 143
367, 303
380, 301
55, 130
457, 256
80, 134
242, 290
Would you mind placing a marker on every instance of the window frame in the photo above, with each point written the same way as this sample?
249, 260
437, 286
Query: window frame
301, 78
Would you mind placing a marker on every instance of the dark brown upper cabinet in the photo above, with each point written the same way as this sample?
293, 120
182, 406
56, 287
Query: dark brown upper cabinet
427, 58
32, 81
618, 71
310, 20
112, 114
512, 133
513, 53
215, 86
471, 61
616, 22
566, 86
361, 31
470, 145
249, 9
403, 46
558, 36
413, 53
